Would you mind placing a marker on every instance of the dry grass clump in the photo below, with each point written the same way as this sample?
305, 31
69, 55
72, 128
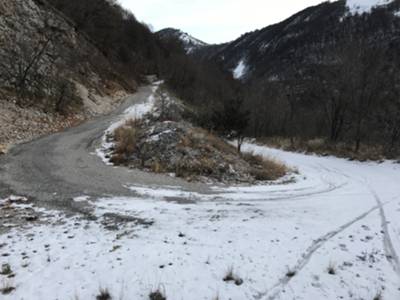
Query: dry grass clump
5, 270
104, 294
157, 295
378, 296
265, 169
331, 269
198, 137
6, 288
232, 277
3, 149
260, 168
158, 167
125, 139
291, 273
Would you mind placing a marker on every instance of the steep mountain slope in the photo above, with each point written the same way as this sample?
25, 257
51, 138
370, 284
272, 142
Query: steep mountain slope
41, 50
272, 51
51, 73
189, 43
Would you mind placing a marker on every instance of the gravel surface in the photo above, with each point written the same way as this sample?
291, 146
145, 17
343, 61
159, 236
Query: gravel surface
56, 168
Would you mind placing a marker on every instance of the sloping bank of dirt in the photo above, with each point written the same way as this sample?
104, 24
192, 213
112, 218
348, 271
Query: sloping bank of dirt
21, 124
162, 141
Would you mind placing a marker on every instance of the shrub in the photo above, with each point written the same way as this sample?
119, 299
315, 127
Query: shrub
265, 169
125, 138
104, 295
232, 277
6, 289
157, 295
290, 273
5, 269
378, 296
331, 269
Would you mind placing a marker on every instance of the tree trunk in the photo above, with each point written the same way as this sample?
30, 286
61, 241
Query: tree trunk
240, 141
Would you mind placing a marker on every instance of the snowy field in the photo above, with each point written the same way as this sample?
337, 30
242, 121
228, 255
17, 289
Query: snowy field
334, 234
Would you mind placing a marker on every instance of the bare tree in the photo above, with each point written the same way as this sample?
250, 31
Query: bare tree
26, 66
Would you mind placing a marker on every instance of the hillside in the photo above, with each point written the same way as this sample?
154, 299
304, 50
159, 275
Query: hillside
326, 76
51, 75
301, 39
189, 43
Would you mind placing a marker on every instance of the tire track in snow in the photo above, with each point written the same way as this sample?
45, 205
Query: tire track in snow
307, 255
391, 254
328, 188
331, 186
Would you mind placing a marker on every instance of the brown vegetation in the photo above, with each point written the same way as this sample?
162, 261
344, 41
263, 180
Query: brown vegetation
322, 147
347, 106
232, 277
104, 294
188, 152
6, 289
157, 295
265, 168
125, 138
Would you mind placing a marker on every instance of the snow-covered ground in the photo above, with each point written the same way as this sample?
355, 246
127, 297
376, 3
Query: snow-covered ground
282, 240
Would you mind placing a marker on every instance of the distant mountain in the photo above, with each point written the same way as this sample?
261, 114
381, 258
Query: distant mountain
270, 52
190, 43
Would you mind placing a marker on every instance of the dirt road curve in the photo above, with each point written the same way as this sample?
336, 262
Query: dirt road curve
59, 167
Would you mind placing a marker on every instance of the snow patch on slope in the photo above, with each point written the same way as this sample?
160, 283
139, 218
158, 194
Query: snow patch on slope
240, 70
190, 42
364, 6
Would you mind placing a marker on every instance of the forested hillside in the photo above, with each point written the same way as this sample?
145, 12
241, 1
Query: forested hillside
329, 72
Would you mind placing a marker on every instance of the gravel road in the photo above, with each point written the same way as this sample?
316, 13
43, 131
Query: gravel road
59, 167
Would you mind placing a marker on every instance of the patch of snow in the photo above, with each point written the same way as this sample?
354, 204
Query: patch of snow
17, 198
240, 70
135, 112
190, 43
82, 199
189, 39
273, 78
364, 6
156, 137
163, 193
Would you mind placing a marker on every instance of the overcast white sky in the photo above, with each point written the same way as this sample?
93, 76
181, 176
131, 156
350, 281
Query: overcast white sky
214, 21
